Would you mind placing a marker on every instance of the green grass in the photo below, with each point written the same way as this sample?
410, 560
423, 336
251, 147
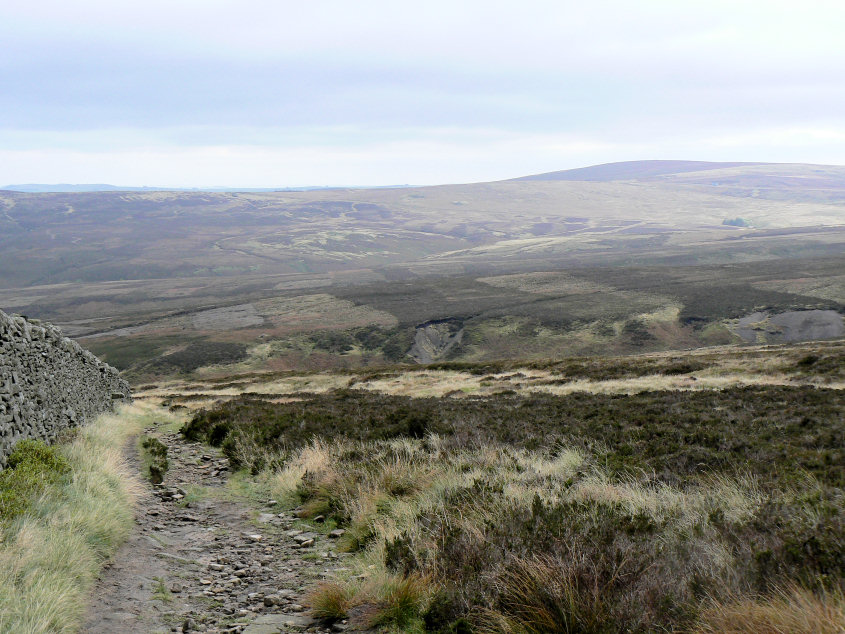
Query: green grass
52, 551
160, 591
33, 468
154, 463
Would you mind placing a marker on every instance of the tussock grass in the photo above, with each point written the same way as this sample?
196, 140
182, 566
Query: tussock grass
541, 596
513, 540
399, 600
793, 610
329, 601
51, 555
389, 600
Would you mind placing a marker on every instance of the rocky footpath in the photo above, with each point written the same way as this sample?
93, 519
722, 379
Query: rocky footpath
204, 559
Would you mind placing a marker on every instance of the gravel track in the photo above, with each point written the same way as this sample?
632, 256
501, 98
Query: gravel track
209, 563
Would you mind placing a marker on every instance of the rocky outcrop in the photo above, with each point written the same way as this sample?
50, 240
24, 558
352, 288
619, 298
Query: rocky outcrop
435, 339
790, 326
48, 383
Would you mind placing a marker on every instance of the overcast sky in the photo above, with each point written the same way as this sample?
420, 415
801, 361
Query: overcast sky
365, 92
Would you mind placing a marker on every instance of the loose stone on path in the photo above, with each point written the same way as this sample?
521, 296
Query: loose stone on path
205, 565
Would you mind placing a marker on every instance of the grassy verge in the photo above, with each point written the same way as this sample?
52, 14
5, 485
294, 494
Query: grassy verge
54, 542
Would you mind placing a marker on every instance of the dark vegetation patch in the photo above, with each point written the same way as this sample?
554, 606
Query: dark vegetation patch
713, 293
391, 343
827, 365
198, 354
707, 304
775, 433
126, 352
334, 341
594, 368
244, 422
32, 467
154, 458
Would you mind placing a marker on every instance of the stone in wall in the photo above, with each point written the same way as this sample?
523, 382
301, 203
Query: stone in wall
49, 383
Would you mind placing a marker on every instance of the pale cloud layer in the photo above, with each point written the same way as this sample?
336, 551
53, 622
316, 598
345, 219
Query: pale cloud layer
254, 93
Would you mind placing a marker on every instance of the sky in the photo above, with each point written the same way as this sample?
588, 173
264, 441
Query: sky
194, 93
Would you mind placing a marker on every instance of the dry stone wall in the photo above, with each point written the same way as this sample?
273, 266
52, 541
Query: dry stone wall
48, 383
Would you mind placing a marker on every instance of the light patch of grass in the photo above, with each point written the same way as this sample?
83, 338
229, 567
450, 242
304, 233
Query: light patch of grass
399, 600
195, 493
666, 314
728, 366
792, 610
547, 283
655, 383
50, 557
241, 485
438, 383
315, 458
736, 500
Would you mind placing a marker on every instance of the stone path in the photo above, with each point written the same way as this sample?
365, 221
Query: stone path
208, 562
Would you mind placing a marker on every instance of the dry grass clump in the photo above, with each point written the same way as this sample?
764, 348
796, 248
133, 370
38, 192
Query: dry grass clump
329, 601
50, 554
397, 601
538, 596
389, 600
789, 611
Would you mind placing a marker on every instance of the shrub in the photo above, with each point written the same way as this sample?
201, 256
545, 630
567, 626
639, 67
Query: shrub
333, 341
32, 467
154, 456
676, 435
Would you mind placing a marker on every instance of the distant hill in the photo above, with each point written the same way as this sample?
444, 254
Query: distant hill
631, 170
93, 236
43, 188
66, 188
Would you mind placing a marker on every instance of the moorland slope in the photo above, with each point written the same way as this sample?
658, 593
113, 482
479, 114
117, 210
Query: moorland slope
631, 257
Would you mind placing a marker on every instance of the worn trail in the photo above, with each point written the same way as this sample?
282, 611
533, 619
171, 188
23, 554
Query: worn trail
201, 559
